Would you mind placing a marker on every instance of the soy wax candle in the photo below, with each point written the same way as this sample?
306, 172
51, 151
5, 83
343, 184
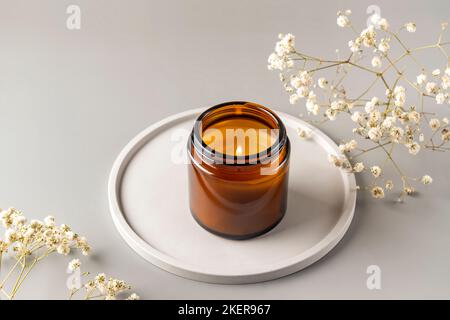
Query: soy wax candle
238, 170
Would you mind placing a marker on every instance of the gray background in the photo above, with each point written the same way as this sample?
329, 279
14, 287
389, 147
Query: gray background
70, 100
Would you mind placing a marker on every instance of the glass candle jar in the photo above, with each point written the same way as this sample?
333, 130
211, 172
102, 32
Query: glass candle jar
238, 170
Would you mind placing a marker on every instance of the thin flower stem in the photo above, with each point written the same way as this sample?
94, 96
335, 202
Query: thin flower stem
95, 297
370, 149
384, 81
394, 62
88, 294
361, 67
424, 47
14, 290
23, 279
367, 90
317, 59
393, 162
9, 274
325, 67
6, 294
393, 65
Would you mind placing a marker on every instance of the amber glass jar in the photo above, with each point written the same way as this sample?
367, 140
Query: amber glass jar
238, 170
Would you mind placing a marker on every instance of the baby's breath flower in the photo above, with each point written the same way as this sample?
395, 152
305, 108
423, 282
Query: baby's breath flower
435, 124
349, 146
293, 98
29, 233
431, 87
358, 167
49, 221
411, 27
85, 250
342, 20
305, 78
338, 105
11, 235
421, 78
368, 36
90, 285
396, 134
303, 91
376, 171
74, 264
311, 104
413, 148
409, 190
381, 121
36, 224
289, 89
383, 24
304, 134
340, 162
399, 96
388, 122
354, 46
19, 221
371, 105
279, 63
384, 45
3, 246
63, 249
375, 134
356, 116
331, 113
286, 45
426, 179
100, 279
296, 82
8, 217
445, 84
376, 62
440, 98
389, 185
322, 82
445, 135
378, 192
414, 116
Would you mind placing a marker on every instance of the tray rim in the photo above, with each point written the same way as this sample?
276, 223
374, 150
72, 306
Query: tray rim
175, 266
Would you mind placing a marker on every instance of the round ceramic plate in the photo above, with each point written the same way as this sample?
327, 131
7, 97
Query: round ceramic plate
148, 197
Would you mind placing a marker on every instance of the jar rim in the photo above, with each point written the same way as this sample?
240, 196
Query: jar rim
212, 156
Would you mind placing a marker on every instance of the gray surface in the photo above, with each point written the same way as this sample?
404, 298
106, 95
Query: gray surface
70, 100
165, 233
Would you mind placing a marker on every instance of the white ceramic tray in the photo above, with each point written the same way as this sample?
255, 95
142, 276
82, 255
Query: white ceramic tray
148, 198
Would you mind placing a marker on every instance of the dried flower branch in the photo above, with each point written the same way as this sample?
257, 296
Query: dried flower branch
31, 242
99, 288
385, 122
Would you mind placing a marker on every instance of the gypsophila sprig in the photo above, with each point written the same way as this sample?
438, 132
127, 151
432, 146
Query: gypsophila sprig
394, 118
100, 287
30, 242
